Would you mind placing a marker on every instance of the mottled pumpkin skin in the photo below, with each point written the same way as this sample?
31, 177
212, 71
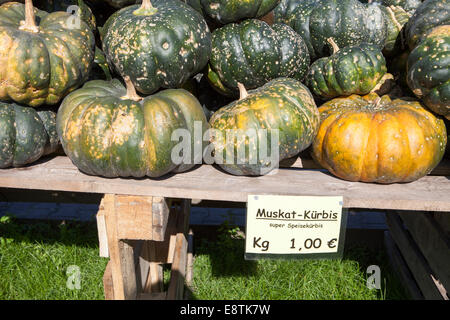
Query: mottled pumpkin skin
284, 104
160, 50
396, 18
106, 134
253, 53
351, 70
385, 142
42, 67
225, 12
409, 6
428, 70
348, 22
25, 134
430, 14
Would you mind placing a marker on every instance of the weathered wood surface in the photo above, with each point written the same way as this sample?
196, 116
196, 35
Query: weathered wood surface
209, 183
416, 262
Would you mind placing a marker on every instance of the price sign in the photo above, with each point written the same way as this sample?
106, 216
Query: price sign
294, 227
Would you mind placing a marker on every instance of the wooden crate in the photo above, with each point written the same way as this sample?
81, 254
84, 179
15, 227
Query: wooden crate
418, 244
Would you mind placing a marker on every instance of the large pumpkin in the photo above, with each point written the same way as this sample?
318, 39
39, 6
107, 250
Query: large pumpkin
229, 11
282, 104
25, 134
41, 59
428, 70
373, 139
351, 70
348, 22
430, 14
253, 53
110, 131
158, 45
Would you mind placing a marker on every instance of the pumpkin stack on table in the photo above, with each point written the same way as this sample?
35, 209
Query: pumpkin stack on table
362, 96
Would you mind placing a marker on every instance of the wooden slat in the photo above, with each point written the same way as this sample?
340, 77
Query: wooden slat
101, 229
414, 259
152, 296
108, 286
429, 193
155, 280
400, 267
432, 242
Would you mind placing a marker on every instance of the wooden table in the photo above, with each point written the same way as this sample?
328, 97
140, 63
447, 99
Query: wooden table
143, 223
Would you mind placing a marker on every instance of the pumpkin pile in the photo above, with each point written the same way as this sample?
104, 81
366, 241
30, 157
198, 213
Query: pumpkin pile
364, 85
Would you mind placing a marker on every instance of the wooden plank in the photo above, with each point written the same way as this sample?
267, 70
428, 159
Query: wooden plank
101, 229
432, 242
414, 259
400, 267
429, 193
134, 217
121, 255
108, 286
152, 296
160, 209
155, 278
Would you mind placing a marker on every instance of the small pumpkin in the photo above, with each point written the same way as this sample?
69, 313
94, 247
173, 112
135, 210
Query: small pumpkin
41, 59
376, 139
158, 44
396, 18
110, 131
225, 12
348, 22
430, 14
351, 70
283, 104
26, 134
428, 70
253, 53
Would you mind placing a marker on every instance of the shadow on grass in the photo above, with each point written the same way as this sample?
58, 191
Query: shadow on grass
82, 234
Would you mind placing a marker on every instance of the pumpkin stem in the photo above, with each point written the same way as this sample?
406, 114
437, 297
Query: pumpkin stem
392, 14
242, 91
146, 9
29, 24
333, 45
131, 90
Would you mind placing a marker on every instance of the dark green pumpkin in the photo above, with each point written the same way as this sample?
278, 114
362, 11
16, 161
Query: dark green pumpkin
44, 59
25, 134
282, 104
396, 18
253, 53
158, 45
351, 70
100, 69
108, 130
430, 14
225, 12
409, 6
348, 22
428, 70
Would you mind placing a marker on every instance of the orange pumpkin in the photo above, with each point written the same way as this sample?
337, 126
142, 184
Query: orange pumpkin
374, 139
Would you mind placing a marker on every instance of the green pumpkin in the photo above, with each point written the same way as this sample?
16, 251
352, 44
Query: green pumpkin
396, 18
158, 45
42, 59
83, 10
100, 69
282, 104
253, 53
430, 14
225, 12
109, 131
428, 70
409, 6
348, 22
25, 134
351, 70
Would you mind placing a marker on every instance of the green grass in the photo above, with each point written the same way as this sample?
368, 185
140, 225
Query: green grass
35, 256
221, 273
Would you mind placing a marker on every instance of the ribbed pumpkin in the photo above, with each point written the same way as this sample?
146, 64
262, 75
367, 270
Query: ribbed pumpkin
396, 18
348, 22
225, 12
110, 131
25, 134
430, 14
158, 44
409, 6
282, 104
373, 139
428, 70
351, 70
253, 53
43, 59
